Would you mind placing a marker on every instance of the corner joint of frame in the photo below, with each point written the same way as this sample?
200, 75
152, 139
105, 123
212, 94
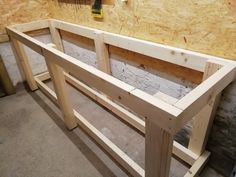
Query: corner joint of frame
177, 122
174, 123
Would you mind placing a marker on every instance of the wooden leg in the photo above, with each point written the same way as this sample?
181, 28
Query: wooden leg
24, 63
158, 149
59, 83
203, 120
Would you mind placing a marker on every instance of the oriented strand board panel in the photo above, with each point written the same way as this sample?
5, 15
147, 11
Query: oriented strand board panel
207, 26
20, 11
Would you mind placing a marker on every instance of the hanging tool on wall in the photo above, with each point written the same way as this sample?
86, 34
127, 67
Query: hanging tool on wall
97, 11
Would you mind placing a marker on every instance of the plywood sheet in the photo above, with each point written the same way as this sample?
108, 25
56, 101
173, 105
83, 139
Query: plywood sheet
207, 26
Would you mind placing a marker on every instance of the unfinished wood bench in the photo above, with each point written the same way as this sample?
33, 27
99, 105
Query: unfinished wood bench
164, 115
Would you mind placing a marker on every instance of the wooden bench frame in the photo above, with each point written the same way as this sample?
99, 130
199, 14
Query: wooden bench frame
164, 115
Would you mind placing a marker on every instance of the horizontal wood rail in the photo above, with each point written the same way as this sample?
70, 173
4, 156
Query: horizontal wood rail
162, 116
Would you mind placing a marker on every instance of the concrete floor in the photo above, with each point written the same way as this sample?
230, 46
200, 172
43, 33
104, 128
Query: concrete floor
35, 143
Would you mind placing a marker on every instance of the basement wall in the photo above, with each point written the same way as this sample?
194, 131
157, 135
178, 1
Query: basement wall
37, 62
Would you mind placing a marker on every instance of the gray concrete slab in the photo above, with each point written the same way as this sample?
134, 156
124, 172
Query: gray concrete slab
35, 143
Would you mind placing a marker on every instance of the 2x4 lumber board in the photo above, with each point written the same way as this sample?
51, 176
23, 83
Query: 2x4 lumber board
158, 51
76, 29
58, 79
26, 40
124, 160
198, 165
179, 150
167, 98
43, 76
78, 40
23, 60
56, 36
102, 53
202, 122
46, 90
140, 102
31, 26
149, 63
158, 149
184, 153
194, 101
38, 32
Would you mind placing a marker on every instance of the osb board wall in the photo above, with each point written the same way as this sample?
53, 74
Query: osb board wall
207, 26
20, 11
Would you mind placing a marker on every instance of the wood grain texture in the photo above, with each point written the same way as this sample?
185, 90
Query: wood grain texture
203, 121
23, 60
102, 53
59, 83
158, 148
20, 11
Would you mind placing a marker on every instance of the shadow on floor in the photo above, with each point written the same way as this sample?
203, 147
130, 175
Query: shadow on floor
77, 141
